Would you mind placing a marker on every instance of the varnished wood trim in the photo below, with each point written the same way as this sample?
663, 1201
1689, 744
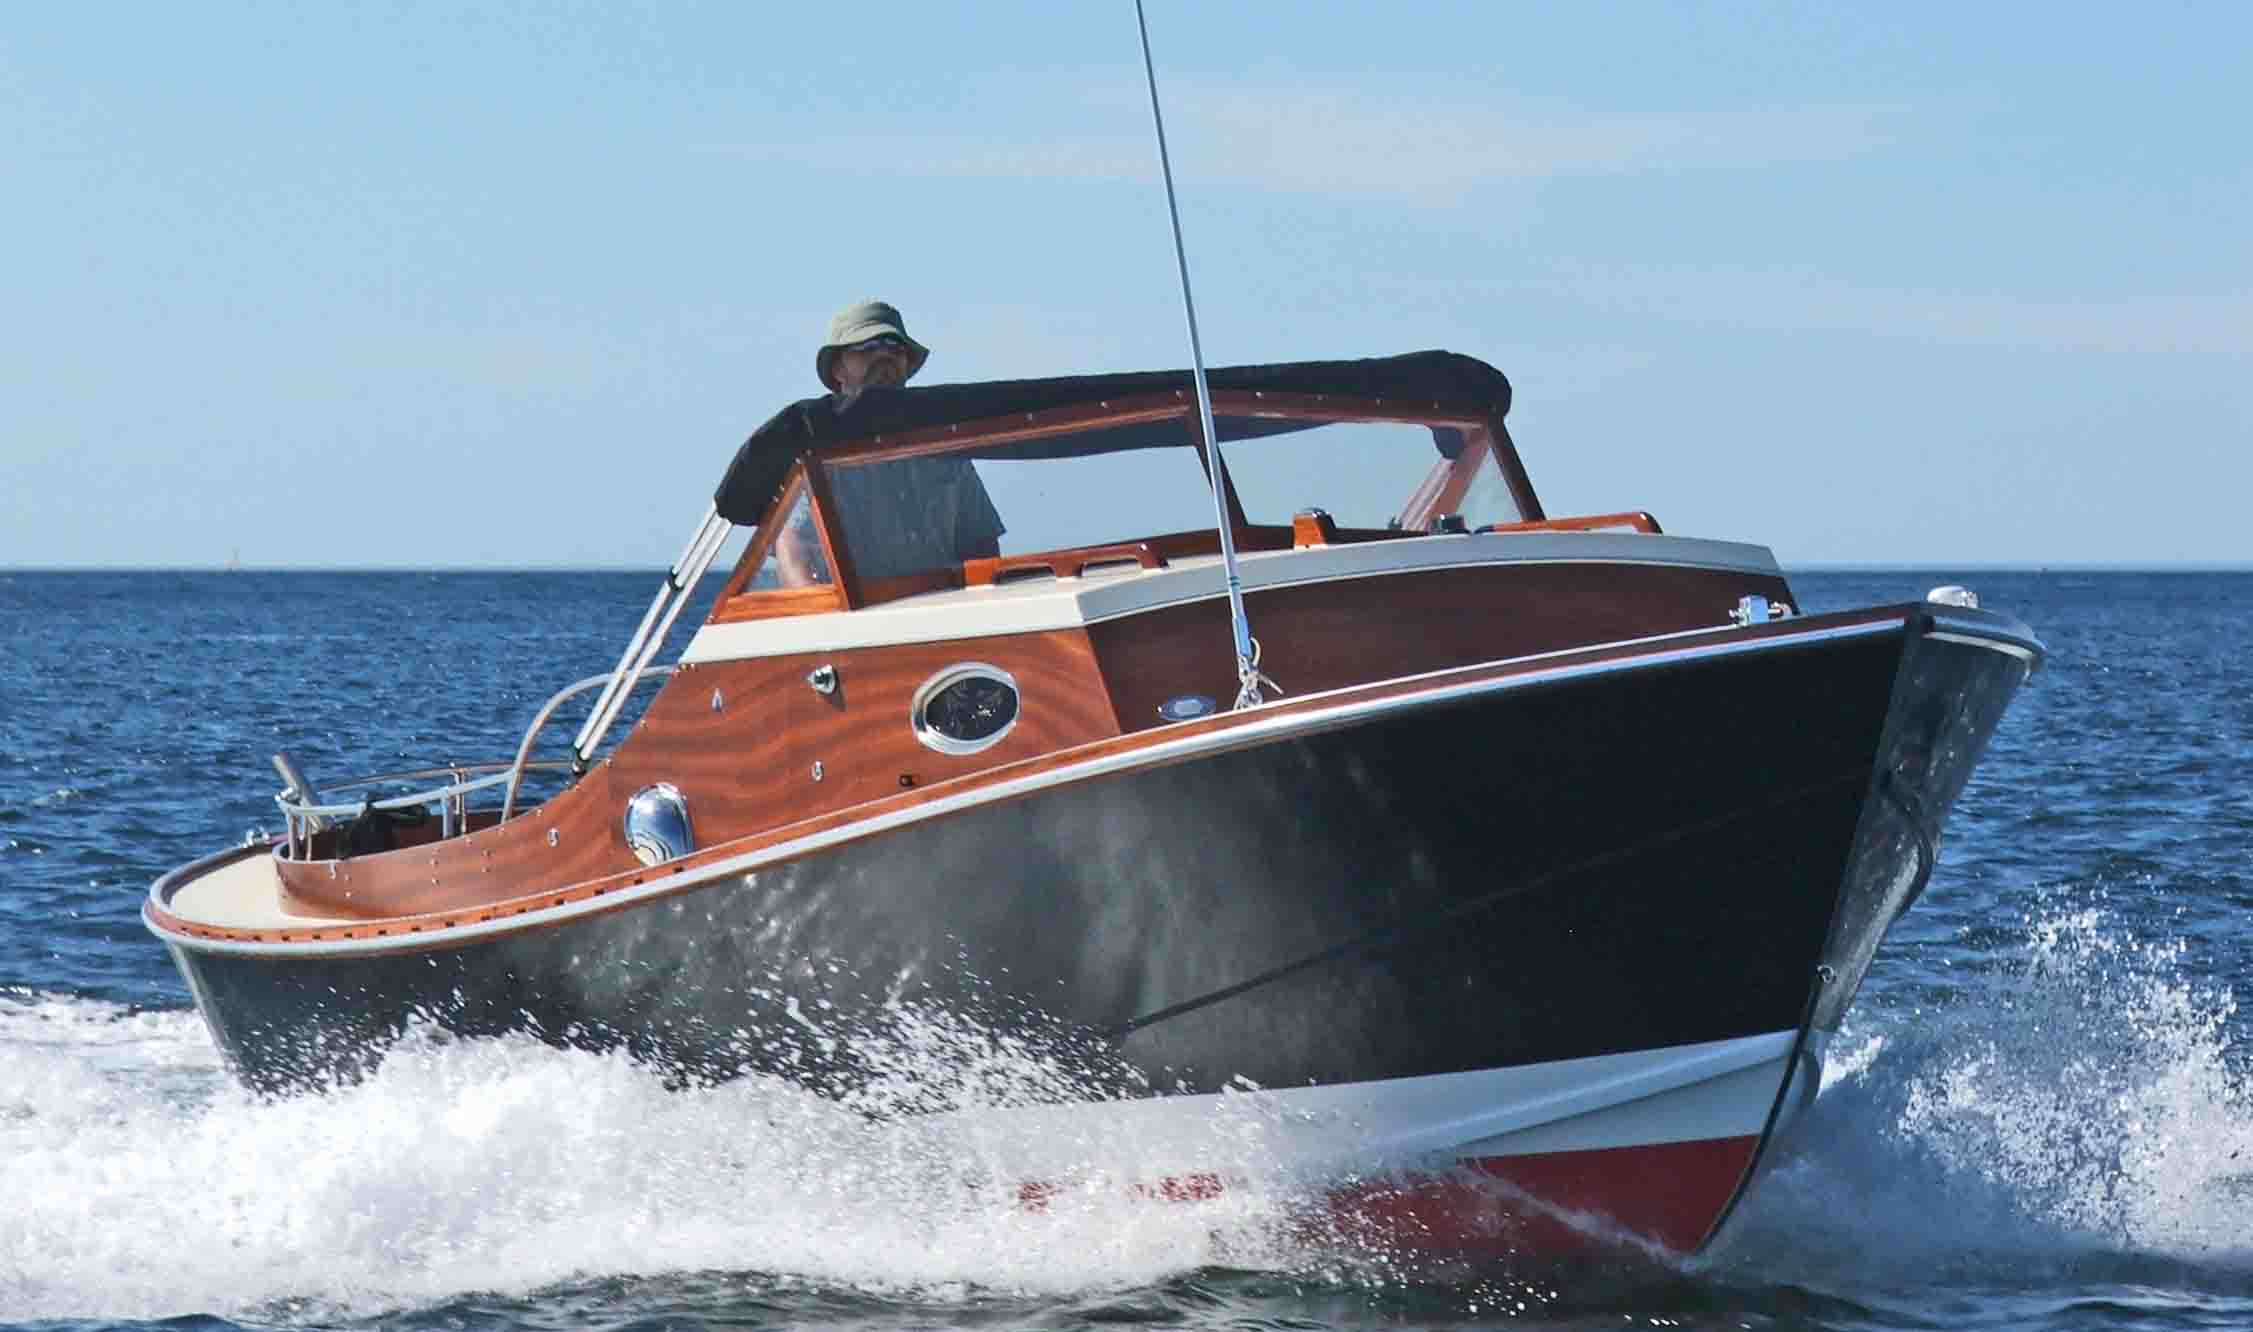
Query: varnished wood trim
1638, 519
1072, 563
738, 601
1313, 527
764, 537
775, 602
829, 524
877, 590
754, 551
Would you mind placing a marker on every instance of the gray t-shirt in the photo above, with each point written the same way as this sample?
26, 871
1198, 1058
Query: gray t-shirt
913, 515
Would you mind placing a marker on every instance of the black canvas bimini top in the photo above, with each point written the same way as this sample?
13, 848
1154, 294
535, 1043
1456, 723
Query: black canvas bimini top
1454, 382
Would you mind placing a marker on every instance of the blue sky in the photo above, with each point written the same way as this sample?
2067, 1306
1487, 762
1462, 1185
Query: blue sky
416, 284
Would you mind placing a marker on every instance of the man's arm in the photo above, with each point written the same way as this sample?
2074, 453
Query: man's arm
799, 561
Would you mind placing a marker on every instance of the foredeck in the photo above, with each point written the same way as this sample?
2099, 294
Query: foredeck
243, 894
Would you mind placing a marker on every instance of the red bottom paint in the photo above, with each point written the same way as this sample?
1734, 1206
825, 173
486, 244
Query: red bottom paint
1545, 1204
1667, 1194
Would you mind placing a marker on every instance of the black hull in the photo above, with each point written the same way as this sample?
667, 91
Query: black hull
1645, 857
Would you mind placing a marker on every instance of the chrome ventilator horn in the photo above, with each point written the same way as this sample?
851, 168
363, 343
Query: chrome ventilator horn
657, 825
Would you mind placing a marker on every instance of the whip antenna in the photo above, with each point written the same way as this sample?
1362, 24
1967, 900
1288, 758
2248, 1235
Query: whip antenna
1248, 677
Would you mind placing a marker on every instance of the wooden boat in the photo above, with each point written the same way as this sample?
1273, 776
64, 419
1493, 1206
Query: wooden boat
1548, 855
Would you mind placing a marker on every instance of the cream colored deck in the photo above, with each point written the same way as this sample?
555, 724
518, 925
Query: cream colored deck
241, 894
1038, 604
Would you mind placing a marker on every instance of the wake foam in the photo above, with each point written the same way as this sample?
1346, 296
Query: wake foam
142, 1182
2084, 1103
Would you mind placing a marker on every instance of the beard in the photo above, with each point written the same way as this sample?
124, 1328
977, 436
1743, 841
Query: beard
888, 371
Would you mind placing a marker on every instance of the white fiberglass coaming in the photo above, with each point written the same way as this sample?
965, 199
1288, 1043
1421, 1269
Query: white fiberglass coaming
1035, 604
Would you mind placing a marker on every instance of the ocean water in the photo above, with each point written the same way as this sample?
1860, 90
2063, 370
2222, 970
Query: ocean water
2041, 1114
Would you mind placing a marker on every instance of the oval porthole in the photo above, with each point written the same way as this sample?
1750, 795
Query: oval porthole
964, 708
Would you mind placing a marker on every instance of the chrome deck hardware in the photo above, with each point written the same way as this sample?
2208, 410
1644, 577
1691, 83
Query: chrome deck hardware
1758, 610
1954, 594
823, 679
657, 826
1187, 707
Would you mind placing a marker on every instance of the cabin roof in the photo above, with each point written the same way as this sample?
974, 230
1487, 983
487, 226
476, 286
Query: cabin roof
1449, 380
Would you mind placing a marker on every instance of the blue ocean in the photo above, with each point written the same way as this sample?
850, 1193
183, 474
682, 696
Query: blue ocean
2040, 1114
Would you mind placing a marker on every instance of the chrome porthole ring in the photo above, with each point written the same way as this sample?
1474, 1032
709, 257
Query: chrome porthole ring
965, 708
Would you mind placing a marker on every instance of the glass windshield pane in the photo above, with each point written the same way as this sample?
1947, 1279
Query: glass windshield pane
913, 515
1101, 499
795, 559
1489, 499
1363, 473
918, 515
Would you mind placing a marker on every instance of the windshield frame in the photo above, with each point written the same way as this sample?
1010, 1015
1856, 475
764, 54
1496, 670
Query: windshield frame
1486, 443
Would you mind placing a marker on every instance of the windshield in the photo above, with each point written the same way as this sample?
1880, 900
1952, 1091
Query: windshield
1100, 485
1365, 474
910, 509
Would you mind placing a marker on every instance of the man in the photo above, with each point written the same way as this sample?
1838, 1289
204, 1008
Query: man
868, 345
908, 515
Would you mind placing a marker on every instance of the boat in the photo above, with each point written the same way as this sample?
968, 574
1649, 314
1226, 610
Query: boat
1518, 875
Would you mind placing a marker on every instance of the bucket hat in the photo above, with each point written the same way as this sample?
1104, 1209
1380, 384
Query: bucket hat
857, 323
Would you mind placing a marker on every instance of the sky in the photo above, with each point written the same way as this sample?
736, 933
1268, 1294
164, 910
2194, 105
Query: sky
465, 285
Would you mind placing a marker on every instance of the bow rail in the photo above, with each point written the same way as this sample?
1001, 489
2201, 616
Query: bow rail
306, 810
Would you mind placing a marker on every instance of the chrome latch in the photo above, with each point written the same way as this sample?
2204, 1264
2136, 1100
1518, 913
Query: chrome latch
1758, 610
823, 678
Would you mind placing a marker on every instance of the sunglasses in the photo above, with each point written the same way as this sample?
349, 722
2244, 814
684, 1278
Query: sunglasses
881, 340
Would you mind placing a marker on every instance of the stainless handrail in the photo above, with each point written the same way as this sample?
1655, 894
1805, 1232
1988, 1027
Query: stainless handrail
633, 670
456, 792
393, 802
438, 770
672, 594
547, 710
303, 818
